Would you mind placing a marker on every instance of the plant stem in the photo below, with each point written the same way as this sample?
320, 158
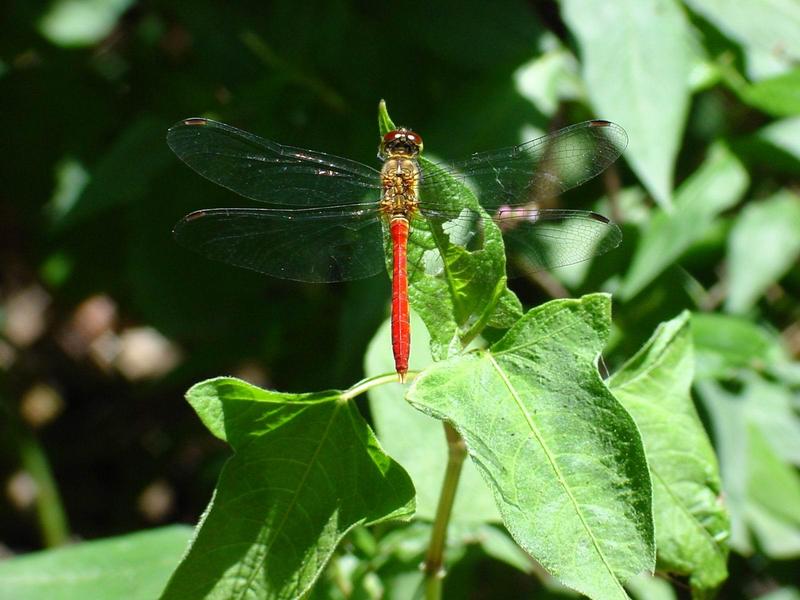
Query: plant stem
50, 511
371, 382
434, 561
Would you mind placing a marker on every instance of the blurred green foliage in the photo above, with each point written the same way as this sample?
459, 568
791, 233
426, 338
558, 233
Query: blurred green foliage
707, 197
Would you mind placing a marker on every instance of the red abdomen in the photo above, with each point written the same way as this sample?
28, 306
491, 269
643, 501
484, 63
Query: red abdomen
401, 328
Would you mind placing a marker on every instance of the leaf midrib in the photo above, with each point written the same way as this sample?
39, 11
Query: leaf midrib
262, 555
551, 459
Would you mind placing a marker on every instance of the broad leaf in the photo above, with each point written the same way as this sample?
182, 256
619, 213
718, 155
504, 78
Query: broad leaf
134, 566
456, 291
762, 247
783, 134
778, 96
691, 523
563, 458
716, 186
725, 345
306, 470
762, 491
117, 180
766, 25
636, 62
423, 454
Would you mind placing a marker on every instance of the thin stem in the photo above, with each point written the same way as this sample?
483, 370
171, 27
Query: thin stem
371, 382
434, 561
49, 509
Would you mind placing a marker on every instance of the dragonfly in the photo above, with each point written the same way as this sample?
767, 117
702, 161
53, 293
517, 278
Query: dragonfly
326, 215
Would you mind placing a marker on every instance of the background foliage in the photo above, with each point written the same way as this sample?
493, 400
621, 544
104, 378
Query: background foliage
106, 322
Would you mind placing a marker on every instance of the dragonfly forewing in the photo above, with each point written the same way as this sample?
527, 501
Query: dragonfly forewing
534, 171
266, 171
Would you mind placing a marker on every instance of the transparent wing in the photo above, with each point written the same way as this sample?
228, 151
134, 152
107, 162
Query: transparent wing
537, 239
315, 245
533, 171
269, 172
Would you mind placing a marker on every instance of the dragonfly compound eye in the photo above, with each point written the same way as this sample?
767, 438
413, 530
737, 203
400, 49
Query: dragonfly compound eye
401, 141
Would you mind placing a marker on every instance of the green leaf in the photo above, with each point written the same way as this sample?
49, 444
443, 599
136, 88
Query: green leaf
117, 179
563, 458
770, 407
764, 244
455, 290
636, 64
725, 345
306, 470
81, 22
717, 185
762, 491
766, 25
778, 96
691, 523
783, 134
134, 566
423, 454
647, 587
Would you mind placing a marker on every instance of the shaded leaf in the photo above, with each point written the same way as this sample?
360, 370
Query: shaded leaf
717, 185
762, 247
423, 454
306, 470
124, 173
134, 566
691, 523
644, 88
563, 458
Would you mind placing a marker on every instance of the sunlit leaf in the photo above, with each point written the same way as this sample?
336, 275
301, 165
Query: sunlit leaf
767, 25
81, 22
456, 291
783, 134
562, 456
725, 344
306, 469
762, 491
764, 244
717, 185
134, 566
778, 96
691, 522
636, 61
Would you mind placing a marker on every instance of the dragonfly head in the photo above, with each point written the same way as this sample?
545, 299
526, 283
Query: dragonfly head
400, 142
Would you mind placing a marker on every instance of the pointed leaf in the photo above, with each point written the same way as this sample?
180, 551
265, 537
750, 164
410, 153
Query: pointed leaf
636, 62
306, 470
134, 566
778, 96
765, 25
563, 458
762, 247
762, 491
783, 134
716, 186
691, 523
457, 292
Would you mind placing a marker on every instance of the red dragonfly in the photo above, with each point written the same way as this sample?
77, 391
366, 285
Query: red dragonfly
327, 213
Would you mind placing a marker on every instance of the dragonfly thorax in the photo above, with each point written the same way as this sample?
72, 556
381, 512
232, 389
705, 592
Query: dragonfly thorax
400, 182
